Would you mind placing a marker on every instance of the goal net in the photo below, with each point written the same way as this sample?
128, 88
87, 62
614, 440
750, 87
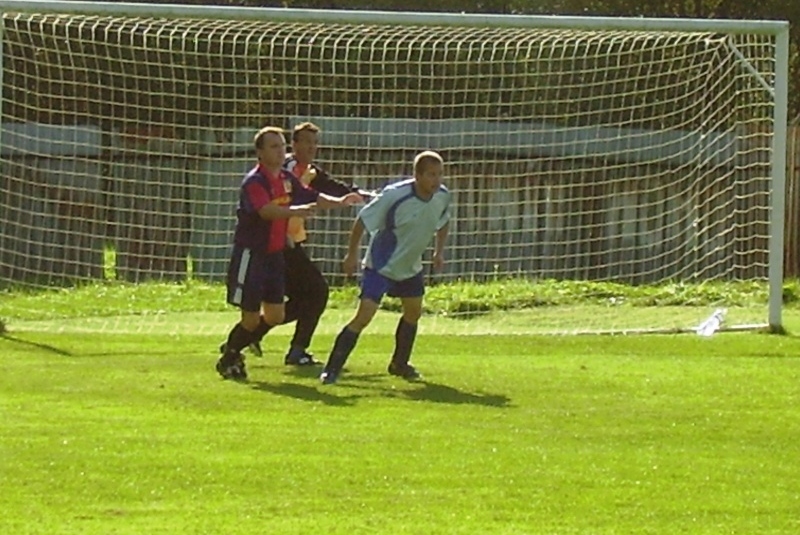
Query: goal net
608, 174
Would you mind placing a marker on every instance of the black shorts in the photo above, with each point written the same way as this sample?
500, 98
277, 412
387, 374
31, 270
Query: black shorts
255, 277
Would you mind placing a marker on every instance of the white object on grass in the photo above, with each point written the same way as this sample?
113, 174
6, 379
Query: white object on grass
712, 323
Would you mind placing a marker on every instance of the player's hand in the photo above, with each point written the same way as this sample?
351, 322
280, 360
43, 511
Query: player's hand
350, 264
438, 262
303, 210
308, 175
352, 199
367, 195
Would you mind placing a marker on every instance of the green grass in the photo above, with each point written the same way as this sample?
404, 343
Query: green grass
503, 306
130, 433
455, 299
135, 434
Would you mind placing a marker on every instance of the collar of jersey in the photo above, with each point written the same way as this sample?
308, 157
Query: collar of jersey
266, 174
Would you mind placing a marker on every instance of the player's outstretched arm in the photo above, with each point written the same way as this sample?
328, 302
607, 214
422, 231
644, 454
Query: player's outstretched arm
327, 201
319, 179
350, 262
273, 211
438, 247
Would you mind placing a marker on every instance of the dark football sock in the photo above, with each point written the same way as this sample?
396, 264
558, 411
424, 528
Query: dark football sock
262, 330
342, 348
239, 338
403, 342
295, 349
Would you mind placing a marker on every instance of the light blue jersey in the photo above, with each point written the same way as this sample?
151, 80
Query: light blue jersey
401, 226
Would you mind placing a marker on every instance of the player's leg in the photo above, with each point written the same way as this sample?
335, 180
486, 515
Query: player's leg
404, 337
273, 310
242, 292
293, 286
295, 290
346, 340
261, 329
272, 305
410, 292
272, 313
373, 288
231, 363
308, 291
306, 299
256, 286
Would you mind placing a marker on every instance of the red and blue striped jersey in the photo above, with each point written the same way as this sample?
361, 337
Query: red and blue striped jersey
259, 188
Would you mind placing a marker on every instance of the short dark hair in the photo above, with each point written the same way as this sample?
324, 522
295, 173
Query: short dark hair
307, 126
258, 139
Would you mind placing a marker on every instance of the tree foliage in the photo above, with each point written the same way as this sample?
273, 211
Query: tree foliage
723, 9
193, 83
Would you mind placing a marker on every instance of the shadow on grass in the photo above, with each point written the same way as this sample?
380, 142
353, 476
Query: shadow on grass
306, 393
422, 390
303, 372
312, 372
766, 355
38, 345
439, 393
375, 384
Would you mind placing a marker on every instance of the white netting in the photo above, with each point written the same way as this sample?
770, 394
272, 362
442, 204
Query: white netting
627, 156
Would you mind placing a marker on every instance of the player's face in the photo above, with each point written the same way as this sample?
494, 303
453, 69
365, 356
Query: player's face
429, 179
273, 151
305, 146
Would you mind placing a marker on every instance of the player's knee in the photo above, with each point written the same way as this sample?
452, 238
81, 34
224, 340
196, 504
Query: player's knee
250, 320
315, 295
358, 324
274, 316
319, 286
412, 312
361, 320
321, 298
412, 316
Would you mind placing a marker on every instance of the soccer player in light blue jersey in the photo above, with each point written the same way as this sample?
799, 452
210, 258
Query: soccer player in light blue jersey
401, 222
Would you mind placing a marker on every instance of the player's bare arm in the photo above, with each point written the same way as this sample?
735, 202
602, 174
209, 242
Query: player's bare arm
350, 262
273, 211
438, 247
325, 201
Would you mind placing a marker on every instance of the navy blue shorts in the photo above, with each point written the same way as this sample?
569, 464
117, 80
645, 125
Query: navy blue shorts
374, 286
255, 277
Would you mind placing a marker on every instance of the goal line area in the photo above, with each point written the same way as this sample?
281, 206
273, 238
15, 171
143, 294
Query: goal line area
520, 322
500, 307
602, 169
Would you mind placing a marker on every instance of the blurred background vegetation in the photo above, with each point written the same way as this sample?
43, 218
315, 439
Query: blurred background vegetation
721, 9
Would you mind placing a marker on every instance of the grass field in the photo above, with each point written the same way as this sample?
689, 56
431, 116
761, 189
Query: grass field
508, 434
115, 422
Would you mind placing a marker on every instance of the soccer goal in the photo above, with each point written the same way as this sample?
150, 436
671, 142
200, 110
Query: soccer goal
609, 174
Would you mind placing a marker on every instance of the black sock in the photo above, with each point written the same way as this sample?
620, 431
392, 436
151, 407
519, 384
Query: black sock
262, 330
403, 342
342, 348
295, 349
238, 339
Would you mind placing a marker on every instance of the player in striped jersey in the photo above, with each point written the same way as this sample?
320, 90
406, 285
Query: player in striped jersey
268, 197
306, 287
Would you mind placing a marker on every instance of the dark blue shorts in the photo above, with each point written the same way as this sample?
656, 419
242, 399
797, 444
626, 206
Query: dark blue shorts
255, 277
374, 286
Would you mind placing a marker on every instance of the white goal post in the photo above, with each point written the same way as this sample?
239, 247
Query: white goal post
593, 149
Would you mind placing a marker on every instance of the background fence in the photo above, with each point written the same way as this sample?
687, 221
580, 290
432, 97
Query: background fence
168, 212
